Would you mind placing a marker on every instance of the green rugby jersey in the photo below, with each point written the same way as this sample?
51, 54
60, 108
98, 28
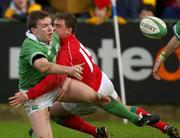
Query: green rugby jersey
28, 75
176, 30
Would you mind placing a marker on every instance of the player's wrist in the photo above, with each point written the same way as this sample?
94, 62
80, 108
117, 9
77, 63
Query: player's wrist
163, 56
26, 96
67, 71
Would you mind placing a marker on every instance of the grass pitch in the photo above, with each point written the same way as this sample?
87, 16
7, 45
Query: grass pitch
18, 129
14, 124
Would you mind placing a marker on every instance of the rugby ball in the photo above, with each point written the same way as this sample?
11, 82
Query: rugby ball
153, 27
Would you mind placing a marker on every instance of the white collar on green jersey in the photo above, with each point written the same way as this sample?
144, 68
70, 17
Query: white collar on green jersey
34, 38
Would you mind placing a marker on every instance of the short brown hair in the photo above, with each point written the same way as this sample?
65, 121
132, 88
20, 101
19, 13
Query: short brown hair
70, 20
34, 17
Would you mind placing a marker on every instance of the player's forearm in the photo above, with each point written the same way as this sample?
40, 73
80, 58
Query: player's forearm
44, 66
58, 69
48, 84
171, 47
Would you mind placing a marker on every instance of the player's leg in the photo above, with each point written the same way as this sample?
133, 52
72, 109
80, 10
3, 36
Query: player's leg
65, 115
117, 108
82, 93
40, 121
39, 115
79, 92
161, 125
114, 107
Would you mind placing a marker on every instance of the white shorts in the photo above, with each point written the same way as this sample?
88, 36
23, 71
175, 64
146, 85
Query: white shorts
41, 102
106, 88
80, 109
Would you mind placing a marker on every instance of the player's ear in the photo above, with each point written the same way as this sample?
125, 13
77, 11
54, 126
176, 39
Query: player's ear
33, 30
69, 30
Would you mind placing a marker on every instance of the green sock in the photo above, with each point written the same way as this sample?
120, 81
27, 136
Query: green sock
133, 109
118, 109
33, 135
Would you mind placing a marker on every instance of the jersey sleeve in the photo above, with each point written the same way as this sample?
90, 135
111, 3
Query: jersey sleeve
48, 84
176, 30
30, 51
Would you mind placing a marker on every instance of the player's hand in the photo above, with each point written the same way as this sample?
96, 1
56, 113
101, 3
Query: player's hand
18, 99
156, 67
63, 89
76, 71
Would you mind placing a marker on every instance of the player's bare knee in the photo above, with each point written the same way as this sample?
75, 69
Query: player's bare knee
98, 99
95, 99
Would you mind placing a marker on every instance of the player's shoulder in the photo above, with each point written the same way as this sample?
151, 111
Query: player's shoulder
29, 45
29, 41
74, 43
178, 23
177, 26
176, 30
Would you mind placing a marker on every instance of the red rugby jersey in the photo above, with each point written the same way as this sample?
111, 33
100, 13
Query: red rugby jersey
72, 52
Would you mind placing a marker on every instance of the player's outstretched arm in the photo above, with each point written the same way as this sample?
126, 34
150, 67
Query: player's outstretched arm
44, 66
47, 84
18, 99
172, 45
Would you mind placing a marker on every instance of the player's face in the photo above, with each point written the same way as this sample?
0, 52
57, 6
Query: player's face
61, 29
44, 29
